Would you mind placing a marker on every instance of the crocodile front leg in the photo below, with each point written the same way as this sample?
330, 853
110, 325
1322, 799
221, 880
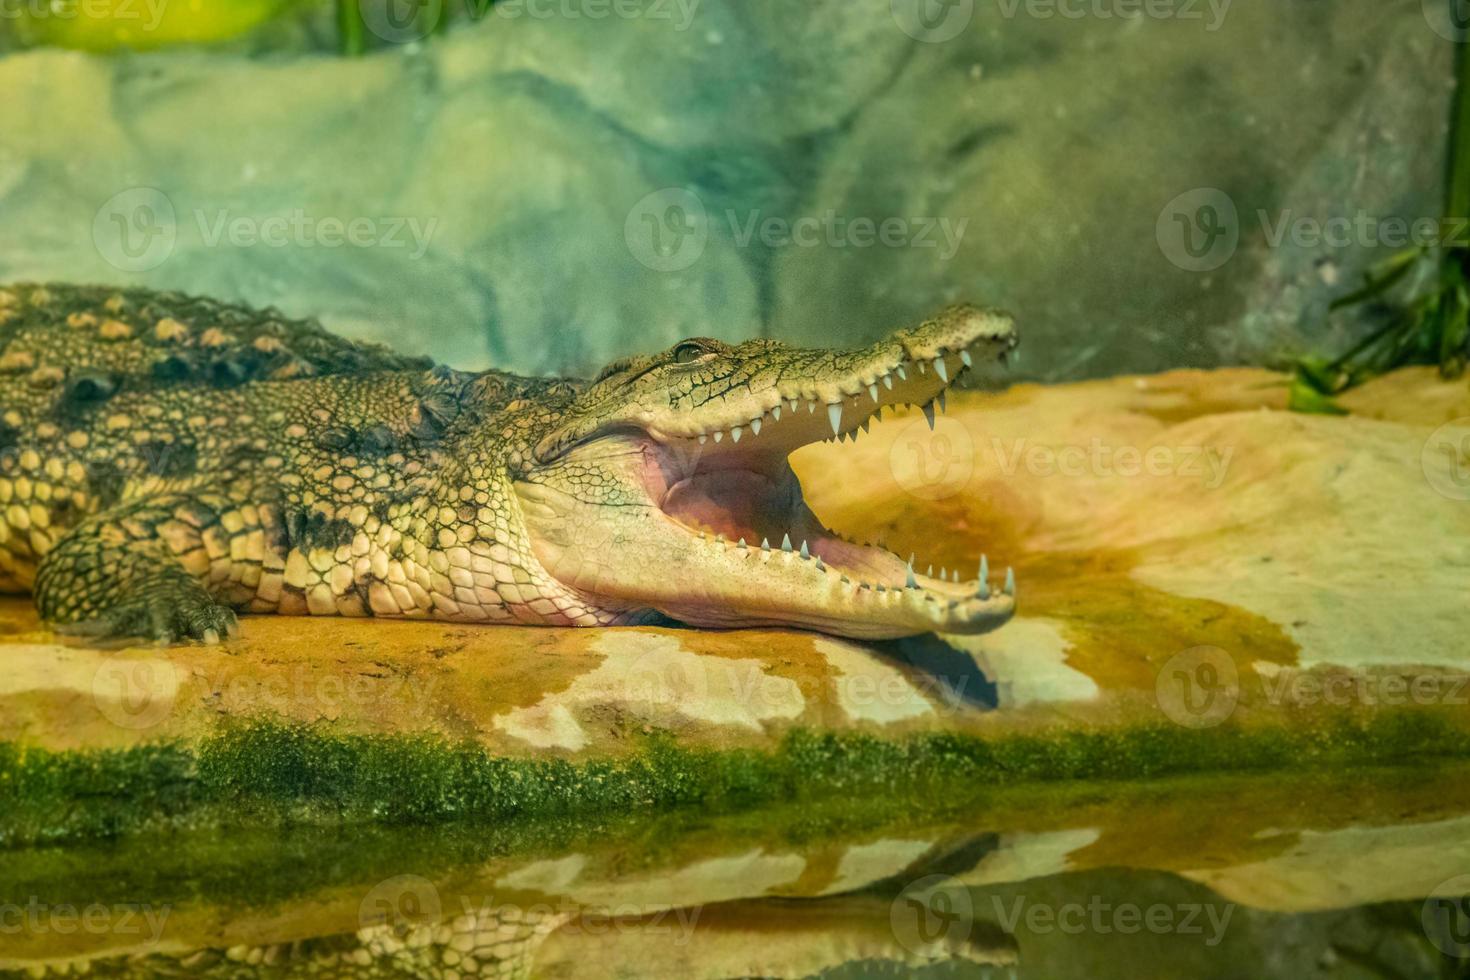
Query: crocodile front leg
141, 571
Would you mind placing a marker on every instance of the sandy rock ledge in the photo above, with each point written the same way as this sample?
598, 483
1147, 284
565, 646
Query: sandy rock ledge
1206, 581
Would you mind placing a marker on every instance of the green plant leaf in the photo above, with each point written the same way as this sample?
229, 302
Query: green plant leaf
1454, 332
1320, 375
1307, 399
1381, 278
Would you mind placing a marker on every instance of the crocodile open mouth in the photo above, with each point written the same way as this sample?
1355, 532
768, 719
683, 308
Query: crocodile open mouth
722, 535
734, 491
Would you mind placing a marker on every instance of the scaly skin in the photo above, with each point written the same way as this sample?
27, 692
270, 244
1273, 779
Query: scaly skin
803, 938
492, 943
167, 461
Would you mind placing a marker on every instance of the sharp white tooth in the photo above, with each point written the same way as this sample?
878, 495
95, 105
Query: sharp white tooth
965, 357
922, 369
902, 374
719, 436
929, 415
811, 406
834, 415
910, 581
940, 399
984, 569
742, 543
795, 403
776, 413
805, 553
765, 544
941, 370
703, 438
820, 566
984, 592
735, 433
888, 381
755, 427
786, 542
1010, 586
930, 572
873, 390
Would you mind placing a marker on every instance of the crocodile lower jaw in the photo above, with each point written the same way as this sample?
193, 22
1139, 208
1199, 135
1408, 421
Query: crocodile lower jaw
769, 561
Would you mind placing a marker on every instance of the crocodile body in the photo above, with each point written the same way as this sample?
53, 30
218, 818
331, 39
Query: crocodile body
167, 461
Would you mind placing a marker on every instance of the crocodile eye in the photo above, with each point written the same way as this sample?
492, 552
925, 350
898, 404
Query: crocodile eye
690, 351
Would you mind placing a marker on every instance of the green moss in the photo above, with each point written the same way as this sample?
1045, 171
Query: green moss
270, 775
258, 869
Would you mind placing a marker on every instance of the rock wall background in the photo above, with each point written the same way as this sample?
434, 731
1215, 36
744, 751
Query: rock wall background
571, 180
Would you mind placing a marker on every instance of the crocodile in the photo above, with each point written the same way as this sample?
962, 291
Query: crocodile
503, 941
168, 461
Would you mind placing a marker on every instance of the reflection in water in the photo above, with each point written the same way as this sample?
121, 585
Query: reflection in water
1241, 877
